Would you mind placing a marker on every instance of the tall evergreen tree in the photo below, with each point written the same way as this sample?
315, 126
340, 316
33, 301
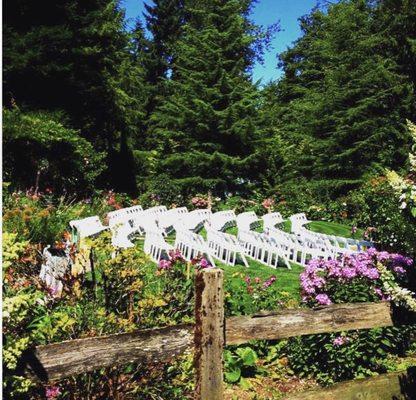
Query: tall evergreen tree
71, 55
343, 100
205, 131
164, 20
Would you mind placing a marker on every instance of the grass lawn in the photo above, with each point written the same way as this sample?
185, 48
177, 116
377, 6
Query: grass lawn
287, 279
333, 228
329, 228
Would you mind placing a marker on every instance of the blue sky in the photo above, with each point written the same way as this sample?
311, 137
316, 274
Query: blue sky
266, 12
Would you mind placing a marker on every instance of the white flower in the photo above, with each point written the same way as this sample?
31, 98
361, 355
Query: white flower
403, 205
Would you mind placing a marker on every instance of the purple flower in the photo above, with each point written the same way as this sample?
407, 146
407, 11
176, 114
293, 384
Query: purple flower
204, 263
165, 264
323, 299
339, 341
269, 282
176, 255
349, 272
52, 392
371, 273
399, 270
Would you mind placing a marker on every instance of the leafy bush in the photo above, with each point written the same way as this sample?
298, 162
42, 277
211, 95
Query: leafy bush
370, 276
40, 152
376, 205
125, 292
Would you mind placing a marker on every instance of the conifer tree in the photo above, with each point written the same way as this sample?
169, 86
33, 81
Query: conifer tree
72, 55
343, 100
205, 130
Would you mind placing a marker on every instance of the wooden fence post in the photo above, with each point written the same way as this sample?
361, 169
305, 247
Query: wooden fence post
209, 334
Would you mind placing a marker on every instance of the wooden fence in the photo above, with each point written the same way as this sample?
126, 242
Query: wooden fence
211, 332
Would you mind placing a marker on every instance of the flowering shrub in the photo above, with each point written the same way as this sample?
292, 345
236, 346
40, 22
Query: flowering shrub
369, 276
406, 187
124, 293
376, 206
355, 278
199, 202
246, 295
268, 204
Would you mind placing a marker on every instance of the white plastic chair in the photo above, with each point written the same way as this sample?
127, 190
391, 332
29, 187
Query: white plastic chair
224, 247
259, 247
247, 221
271, 220
298, 221
167, 219
156, 246
192, 245
193, 220
82, 228
222, 220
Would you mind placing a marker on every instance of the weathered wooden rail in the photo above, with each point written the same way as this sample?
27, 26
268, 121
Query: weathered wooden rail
208, 337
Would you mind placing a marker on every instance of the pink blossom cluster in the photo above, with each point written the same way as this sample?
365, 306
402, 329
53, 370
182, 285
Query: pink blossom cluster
340, 340
175, 256
268, 203
319, 274
52, 392
199, 202
257, 281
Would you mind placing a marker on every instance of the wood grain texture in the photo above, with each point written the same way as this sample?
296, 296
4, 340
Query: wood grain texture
209, 334
392, 386
72, 357
297, 322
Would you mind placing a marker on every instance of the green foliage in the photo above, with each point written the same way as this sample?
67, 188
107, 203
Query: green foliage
376, 205
204, 130
75, 56
42, 218
363, 353
336, 104
241, 362
40, 152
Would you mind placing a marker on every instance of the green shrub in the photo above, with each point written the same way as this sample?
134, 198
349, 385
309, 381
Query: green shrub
376, 204
40, 152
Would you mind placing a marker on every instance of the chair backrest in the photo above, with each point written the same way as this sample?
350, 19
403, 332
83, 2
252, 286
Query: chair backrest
297, 221
222, 219
168, 218
87, 226
157, 210
271, 220
124, 215
246, 220
190, 237
193, 219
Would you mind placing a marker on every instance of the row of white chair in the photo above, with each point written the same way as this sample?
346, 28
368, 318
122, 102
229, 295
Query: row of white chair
270, 247
224, 247
260, 247
222, 220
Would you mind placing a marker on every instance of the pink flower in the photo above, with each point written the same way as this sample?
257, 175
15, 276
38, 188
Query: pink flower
165, 264
52, 392
267, 203
175, 255
204, 263
340, 340
257, 279
247, 279
323, 299
269, 282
